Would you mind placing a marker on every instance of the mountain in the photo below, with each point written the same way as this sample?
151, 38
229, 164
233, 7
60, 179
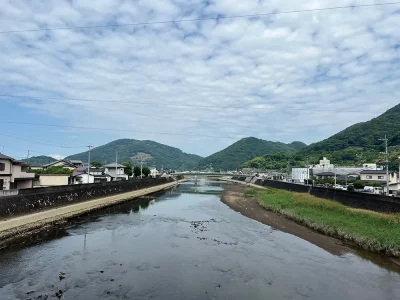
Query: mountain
353, 146
153, 154
365, 134
245, 149
39, 160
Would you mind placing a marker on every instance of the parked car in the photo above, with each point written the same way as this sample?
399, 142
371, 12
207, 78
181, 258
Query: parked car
373, 190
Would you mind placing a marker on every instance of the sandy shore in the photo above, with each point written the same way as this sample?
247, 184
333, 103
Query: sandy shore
249, 207
234, 197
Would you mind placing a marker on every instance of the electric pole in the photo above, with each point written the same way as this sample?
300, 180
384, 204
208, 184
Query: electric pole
27, 158
116, 162
90, 148
387, 164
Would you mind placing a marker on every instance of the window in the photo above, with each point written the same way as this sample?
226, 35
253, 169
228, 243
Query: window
2, 166
381, 177
369, 177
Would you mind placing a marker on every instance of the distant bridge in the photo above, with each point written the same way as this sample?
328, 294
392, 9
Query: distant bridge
204, 174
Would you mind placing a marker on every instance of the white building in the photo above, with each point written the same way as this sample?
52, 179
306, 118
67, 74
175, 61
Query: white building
154, 173
371, 167
96, 175
324, 163
300, 174
116, 170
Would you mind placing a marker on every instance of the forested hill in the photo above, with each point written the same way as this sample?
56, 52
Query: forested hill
357, 144
243, 150
366, 134
39, 160
155, 154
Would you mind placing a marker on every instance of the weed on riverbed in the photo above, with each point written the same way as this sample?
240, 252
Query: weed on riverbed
372, 231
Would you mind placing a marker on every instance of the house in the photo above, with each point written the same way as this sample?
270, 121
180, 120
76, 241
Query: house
378, 176
53, 179
35, 167
325, 175
394, 189
96, 175
154, 173
60, 163
116, 170
77, 163
13, 174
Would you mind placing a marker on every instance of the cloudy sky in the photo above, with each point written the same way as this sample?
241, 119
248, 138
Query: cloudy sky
198, 86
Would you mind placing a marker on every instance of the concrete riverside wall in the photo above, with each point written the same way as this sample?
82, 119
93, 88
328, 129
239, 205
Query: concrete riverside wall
373, 202
37, 199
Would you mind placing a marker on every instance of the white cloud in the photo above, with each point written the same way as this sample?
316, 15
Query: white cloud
281, 70
57, 156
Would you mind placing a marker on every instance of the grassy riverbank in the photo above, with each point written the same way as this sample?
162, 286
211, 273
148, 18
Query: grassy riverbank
370, 230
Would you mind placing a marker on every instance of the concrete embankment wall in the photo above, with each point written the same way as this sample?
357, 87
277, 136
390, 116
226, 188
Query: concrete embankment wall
373, 202
34, 200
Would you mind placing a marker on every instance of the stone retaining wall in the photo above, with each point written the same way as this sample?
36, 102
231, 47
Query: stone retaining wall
34, 200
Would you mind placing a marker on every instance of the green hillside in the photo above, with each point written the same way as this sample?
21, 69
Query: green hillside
357, 144
155, 154
366, 135
39, 160
244, 150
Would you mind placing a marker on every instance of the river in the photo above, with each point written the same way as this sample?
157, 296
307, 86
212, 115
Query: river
185, 244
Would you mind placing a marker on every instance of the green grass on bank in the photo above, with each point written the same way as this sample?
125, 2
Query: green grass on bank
372, 231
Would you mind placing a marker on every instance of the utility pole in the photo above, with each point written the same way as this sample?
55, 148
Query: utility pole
334, 169
116, 162
2, 148
27, 158
90, 148
141, 169
387, 164
398, 176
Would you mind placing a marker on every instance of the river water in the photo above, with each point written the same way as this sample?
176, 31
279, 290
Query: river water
185, 244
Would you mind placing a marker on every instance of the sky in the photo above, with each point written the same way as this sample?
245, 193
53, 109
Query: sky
195, 85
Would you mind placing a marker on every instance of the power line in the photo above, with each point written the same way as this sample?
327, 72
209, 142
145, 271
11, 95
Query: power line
202, 19
120, 130
49, 99
39, 142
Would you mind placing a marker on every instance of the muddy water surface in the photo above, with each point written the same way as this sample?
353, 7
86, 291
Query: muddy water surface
186, 244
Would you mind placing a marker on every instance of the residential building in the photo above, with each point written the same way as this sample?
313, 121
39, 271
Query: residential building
13, 174
369, 166
35, 167
117, 171
300, 174
96, 175
53, 179
77, 163
378, 176
60, 163
154, 173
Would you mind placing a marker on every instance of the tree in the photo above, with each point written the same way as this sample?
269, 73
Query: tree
96, 164
358, 184
136, 171
146, 171
128, 168
350, 188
